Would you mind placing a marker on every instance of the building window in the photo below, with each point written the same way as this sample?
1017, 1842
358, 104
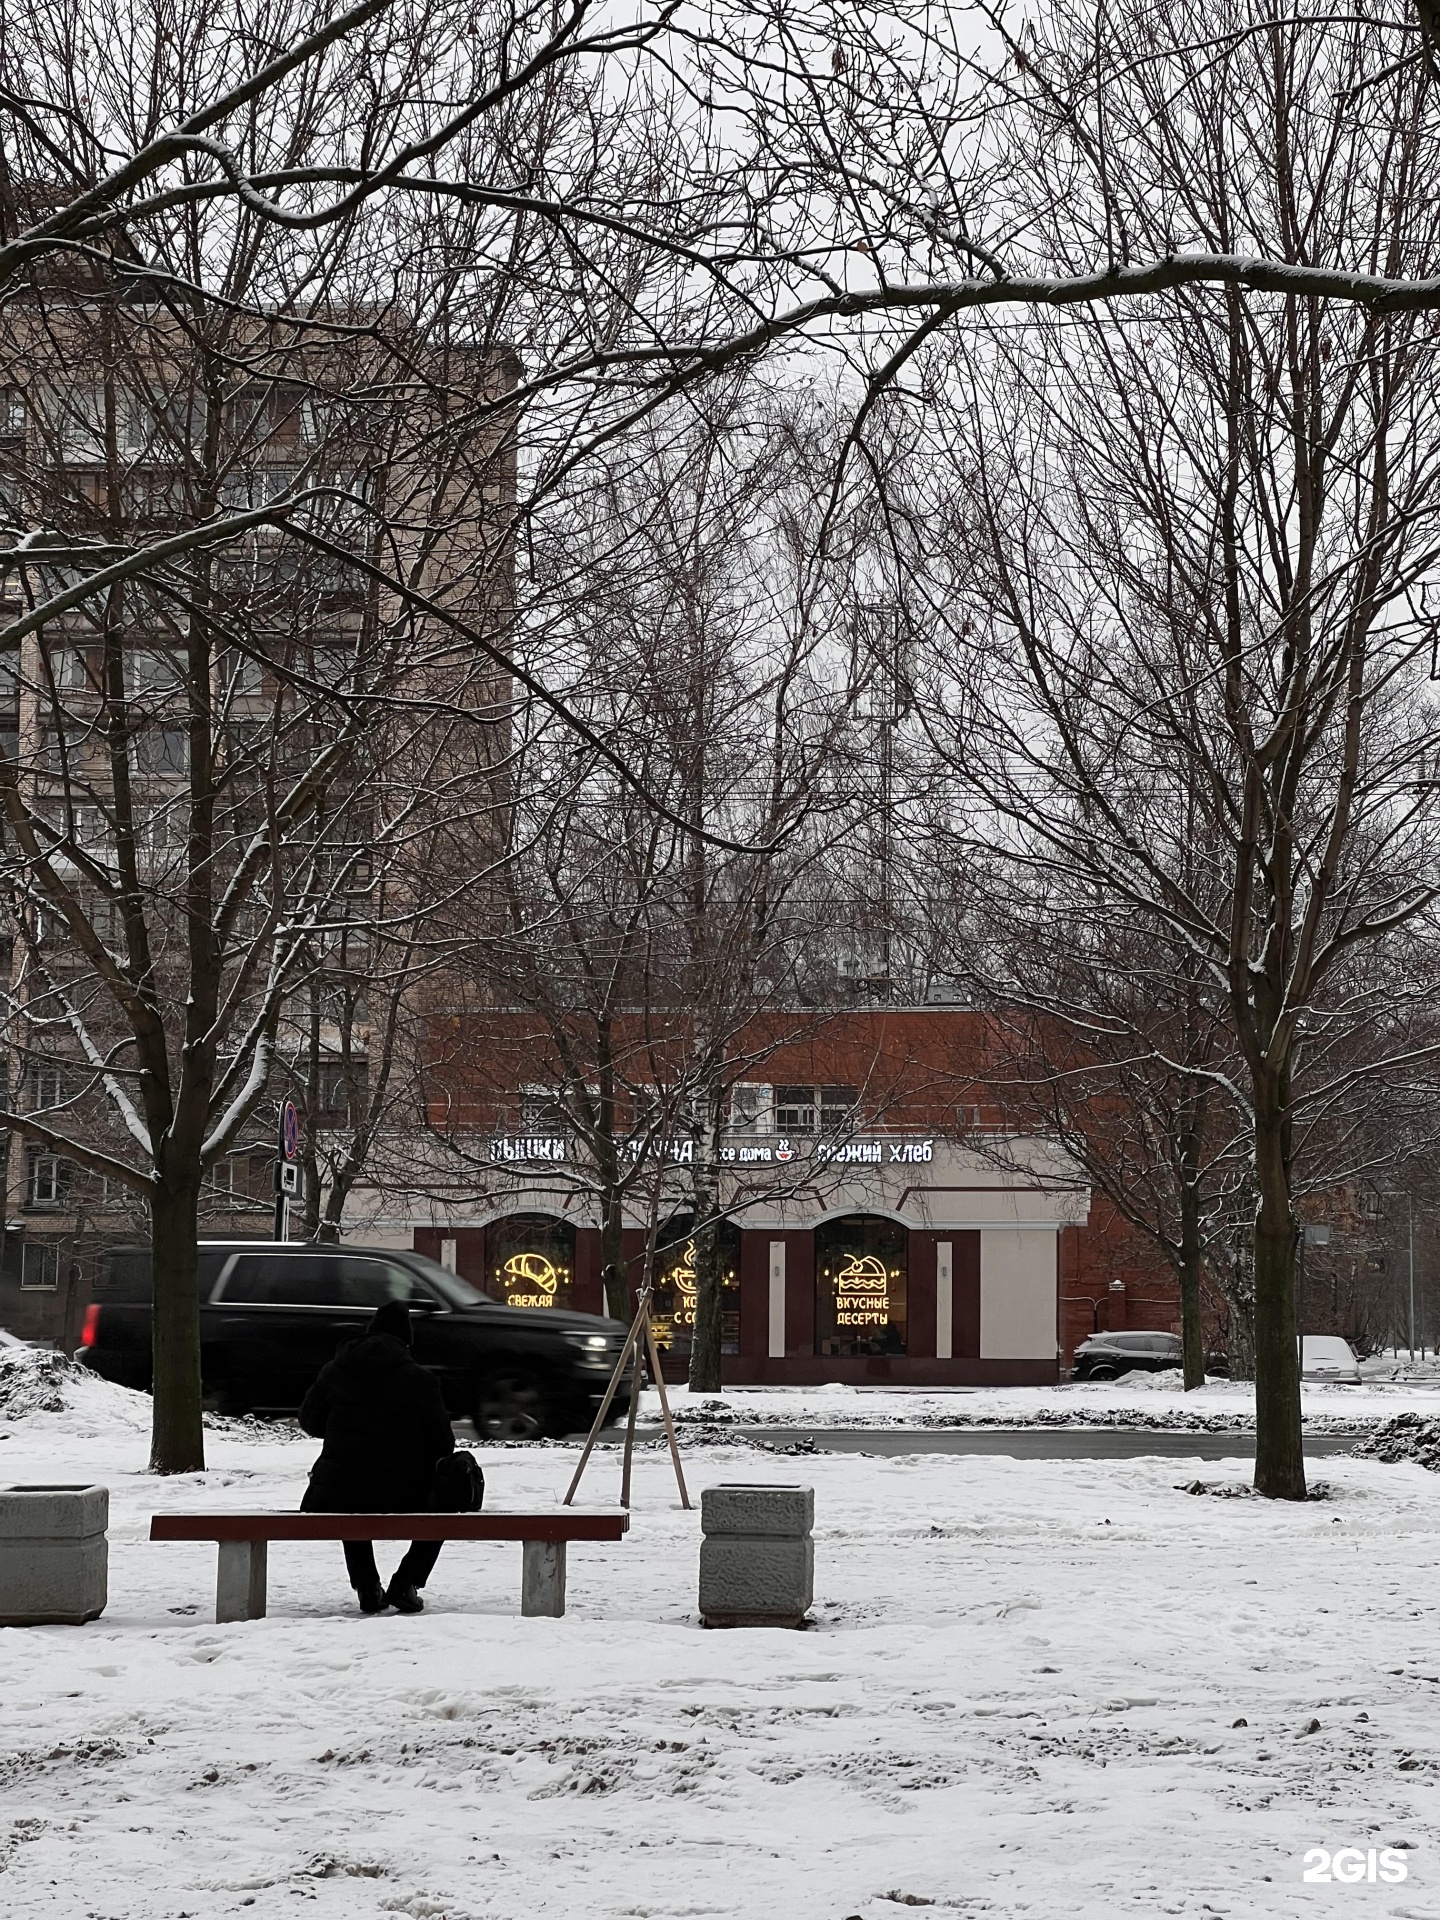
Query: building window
751, 1107
45, 1183
45, 1085
54, 752
40, 1265
70, 668
153, 670
110, 1194
543, 1111
673, 1313
342, 1092
256, 486
860, 1285
162, 750
155, 829
530, 1260
106, 916
814, 1109
837, 1108
242, 673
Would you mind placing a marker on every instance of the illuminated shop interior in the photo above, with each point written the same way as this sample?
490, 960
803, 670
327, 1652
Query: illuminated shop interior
673, 1315
861, 1266
530, 1261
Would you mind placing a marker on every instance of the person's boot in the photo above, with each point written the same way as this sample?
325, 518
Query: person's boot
372, 1597
404, 1597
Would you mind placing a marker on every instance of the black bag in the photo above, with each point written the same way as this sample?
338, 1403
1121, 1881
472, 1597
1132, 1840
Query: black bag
459, 1483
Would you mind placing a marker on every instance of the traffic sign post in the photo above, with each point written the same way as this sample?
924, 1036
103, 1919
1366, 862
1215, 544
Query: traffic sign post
289, 1177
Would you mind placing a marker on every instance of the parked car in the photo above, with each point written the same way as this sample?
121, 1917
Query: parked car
1324, 1356
1105, 1356
272, 1314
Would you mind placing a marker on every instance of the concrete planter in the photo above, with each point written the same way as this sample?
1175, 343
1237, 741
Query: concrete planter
757, 1560
54, 1558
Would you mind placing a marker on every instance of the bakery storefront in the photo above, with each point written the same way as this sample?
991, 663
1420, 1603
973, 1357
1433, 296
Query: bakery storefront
893, 1259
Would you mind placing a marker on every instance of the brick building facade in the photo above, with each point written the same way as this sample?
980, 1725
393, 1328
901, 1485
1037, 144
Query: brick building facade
866, 1150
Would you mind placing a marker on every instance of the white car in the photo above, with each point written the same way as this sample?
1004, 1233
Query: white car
1324, 1356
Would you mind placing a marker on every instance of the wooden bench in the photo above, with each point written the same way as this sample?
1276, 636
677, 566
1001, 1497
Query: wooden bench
243, 1539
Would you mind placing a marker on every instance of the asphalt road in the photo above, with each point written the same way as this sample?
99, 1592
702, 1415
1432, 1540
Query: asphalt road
1028, 1443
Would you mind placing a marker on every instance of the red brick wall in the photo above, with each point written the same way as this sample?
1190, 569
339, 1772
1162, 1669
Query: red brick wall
1105, 1251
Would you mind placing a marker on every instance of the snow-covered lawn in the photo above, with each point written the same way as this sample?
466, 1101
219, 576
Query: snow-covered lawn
1158, 1400
1019, 1697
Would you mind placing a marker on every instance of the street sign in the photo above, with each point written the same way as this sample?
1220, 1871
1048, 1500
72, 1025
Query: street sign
289, 1130
291, 1178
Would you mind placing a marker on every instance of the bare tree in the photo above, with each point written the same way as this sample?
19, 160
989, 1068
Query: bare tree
352, 1035
206, 752
1208, 540
708, 186
654, 910
366, 218
1110, 1041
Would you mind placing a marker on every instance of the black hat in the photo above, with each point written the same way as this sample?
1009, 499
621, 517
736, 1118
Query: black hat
393, 1318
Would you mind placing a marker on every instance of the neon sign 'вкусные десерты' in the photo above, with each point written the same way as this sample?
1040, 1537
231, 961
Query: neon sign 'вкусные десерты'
862, 1292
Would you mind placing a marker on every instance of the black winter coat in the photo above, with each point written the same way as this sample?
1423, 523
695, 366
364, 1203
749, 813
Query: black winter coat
384, 1424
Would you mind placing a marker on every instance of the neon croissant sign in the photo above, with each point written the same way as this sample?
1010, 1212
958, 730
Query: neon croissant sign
527, 1272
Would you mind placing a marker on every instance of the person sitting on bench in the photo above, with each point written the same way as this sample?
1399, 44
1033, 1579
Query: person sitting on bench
384, 1424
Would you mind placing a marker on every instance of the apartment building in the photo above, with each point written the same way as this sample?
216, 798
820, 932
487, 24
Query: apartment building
153, 739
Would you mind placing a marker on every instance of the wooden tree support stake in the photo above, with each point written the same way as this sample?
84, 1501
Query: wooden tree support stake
640, 1341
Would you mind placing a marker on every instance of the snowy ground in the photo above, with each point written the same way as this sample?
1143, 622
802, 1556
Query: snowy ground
1019, 1698
1389, 1386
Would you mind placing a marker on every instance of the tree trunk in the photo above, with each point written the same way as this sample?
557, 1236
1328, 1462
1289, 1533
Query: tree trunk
705, 1347
313, 1227
1279, 1457
1192, 1331
1240, 1346
309, 1160
1192, 1121
177, 1434
612, 1256
705, 1193
1237, 1287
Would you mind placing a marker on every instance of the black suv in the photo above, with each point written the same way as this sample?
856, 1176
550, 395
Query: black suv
272, 1314
1105, 1356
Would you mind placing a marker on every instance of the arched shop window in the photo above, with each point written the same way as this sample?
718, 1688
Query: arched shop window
673, 1311
530, 1260
860, 1274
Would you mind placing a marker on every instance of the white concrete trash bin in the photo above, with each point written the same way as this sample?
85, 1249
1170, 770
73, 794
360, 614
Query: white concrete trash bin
54, 1557
757, 1560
